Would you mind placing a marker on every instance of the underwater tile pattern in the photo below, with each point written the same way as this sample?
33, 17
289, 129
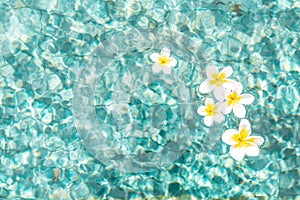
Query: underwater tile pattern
43, 46
136, 120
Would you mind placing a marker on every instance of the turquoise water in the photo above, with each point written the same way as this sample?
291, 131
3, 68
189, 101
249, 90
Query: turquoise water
82, 116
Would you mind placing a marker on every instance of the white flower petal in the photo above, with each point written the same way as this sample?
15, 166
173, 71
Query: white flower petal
219, 93
173, 62
227, 70
201, 110
227, 136
239, 110
257, 140
237, 153
156, 68
205, 87
221, 107
167, 70
245, 124
228, 109
209, 101
238, 87
247, 99
154, 57
230, 86
165, 51
219, 117
208, 120
211, 70
252, 150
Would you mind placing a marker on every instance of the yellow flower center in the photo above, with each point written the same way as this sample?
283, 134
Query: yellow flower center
218, 79
211, 110
242, 139
233, 98
164, 60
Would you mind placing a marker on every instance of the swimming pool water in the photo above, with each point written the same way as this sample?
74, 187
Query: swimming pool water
49, 49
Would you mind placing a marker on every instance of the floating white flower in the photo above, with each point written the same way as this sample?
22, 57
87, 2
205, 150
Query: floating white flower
241, 142
235, 101
216, 81
163, 61
211, 111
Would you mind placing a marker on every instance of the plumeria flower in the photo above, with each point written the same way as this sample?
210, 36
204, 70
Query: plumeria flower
216, 81
163, 61
241, 142
235, 101
211, 112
